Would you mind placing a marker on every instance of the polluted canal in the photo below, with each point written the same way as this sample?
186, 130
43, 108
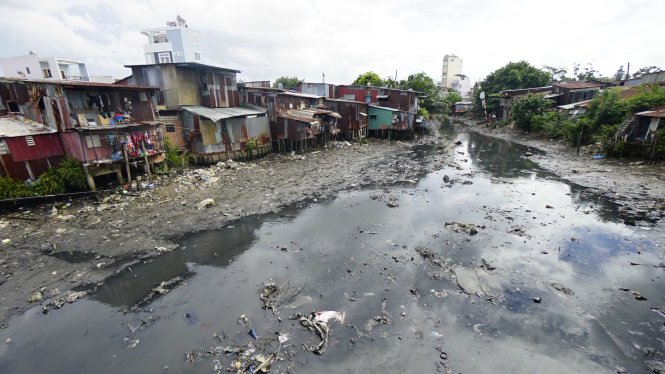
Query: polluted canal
487, 265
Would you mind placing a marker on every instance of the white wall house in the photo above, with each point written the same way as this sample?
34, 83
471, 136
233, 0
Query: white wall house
31, 66
174, 43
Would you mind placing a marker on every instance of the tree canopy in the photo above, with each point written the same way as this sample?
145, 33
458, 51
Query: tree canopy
287, 82
369, 78
513, 76
422, 82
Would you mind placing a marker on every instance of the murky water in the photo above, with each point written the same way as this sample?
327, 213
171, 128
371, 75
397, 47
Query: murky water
545, 238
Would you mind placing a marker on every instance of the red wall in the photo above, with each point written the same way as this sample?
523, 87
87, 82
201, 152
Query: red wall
359, 92
47, 145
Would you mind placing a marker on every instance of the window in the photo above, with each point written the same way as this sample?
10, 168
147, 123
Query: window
30, 140
195, 39
13, 107
372, 116
169, 127
164, 57
4, 150
27, 69
47, 73
93, 141
197, 56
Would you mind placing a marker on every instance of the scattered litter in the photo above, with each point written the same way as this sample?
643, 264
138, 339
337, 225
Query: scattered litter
318, 322
537, 299
161, 289
468, 228
6, 241
132, 343
36, 297
560, 287
638, 296
274, 295
205, 203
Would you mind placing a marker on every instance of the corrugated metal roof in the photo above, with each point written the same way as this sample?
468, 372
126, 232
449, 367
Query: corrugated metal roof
299, 94
656, 112
577, 85
14, 126
216, 114
66, 83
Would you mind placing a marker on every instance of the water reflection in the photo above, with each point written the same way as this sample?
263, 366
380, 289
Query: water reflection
216, 248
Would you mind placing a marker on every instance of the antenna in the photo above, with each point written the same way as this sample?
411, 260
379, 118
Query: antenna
324, 77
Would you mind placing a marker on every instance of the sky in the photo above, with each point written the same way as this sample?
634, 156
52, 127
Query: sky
266, 39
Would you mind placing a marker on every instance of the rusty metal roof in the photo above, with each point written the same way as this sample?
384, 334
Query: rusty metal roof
300, 94
577, 85
217, 114
75, 84
16, 126
655, 112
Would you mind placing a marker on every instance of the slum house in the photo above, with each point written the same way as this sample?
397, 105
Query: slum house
574, 92
352, 123
383, 121
96, 122
302, 122
640, 135
507, 98
319, 89
406, 101
27, 148
297, 121
461, 107
182, 84
364, 94
256, 84
226, 133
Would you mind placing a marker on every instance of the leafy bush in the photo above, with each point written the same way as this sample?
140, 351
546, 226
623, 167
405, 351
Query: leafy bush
423, 113
173, 157
526, 107
648, 97
49, 183
11, 189
606, 108
72, 173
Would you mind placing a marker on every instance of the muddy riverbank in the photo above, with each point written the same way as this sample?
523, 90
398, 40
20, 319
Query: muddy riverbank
636, 185
55, 248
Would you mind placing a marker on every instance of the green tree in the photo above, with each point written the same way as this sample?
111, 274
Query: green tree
584, 73
606, 108
369, 78
558, 73
513, 76
288, 83
646, 70
453, 97
431, 101
525, 108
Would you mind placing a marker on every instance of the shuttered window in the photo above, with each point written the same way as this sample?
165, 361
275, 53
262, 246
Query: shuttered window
30, 141
93, 141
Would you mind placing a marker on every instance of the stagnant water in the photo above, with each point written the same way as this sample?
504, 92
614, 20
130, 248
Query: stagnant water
357, 255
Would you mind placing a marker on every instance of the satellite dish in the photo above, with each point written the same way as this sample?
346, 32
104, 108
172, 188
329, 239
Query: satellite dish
482, 95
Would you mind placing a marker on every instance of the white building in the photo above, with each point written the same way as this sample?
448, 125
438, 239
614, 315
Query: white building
452, 66
174, 43
31, 66
462, 84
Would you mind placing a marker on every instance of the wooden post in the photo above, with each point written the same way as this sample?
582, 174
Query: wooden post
129, 173
579, 139
118, 174
90, 179
145, 158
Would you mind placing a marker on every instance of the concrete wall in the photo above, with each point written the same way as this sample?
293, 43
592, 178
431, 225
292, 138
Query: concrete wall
11, 66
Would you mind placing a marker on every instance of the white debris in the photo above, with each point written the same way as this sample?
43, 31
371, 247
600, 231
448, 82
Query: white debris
205, 203
328, 315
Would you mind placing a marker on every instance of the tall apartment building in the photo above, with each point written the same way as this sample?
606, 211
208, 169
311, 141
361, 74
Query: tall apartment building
174, 43
452, 65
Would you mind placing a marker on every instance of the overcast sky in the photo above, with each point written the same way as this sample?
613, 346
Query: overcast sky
267, 39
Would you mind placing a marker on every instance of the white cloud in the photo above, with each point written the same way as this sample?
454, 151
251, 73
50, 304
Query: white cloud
267, 39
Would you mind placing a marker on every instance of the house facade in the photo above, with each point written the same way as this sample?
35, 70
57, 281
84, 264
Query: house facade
104, 126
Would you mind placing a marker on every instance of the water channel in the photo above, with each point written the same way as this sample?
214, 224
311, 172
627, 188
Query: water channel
539, 238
